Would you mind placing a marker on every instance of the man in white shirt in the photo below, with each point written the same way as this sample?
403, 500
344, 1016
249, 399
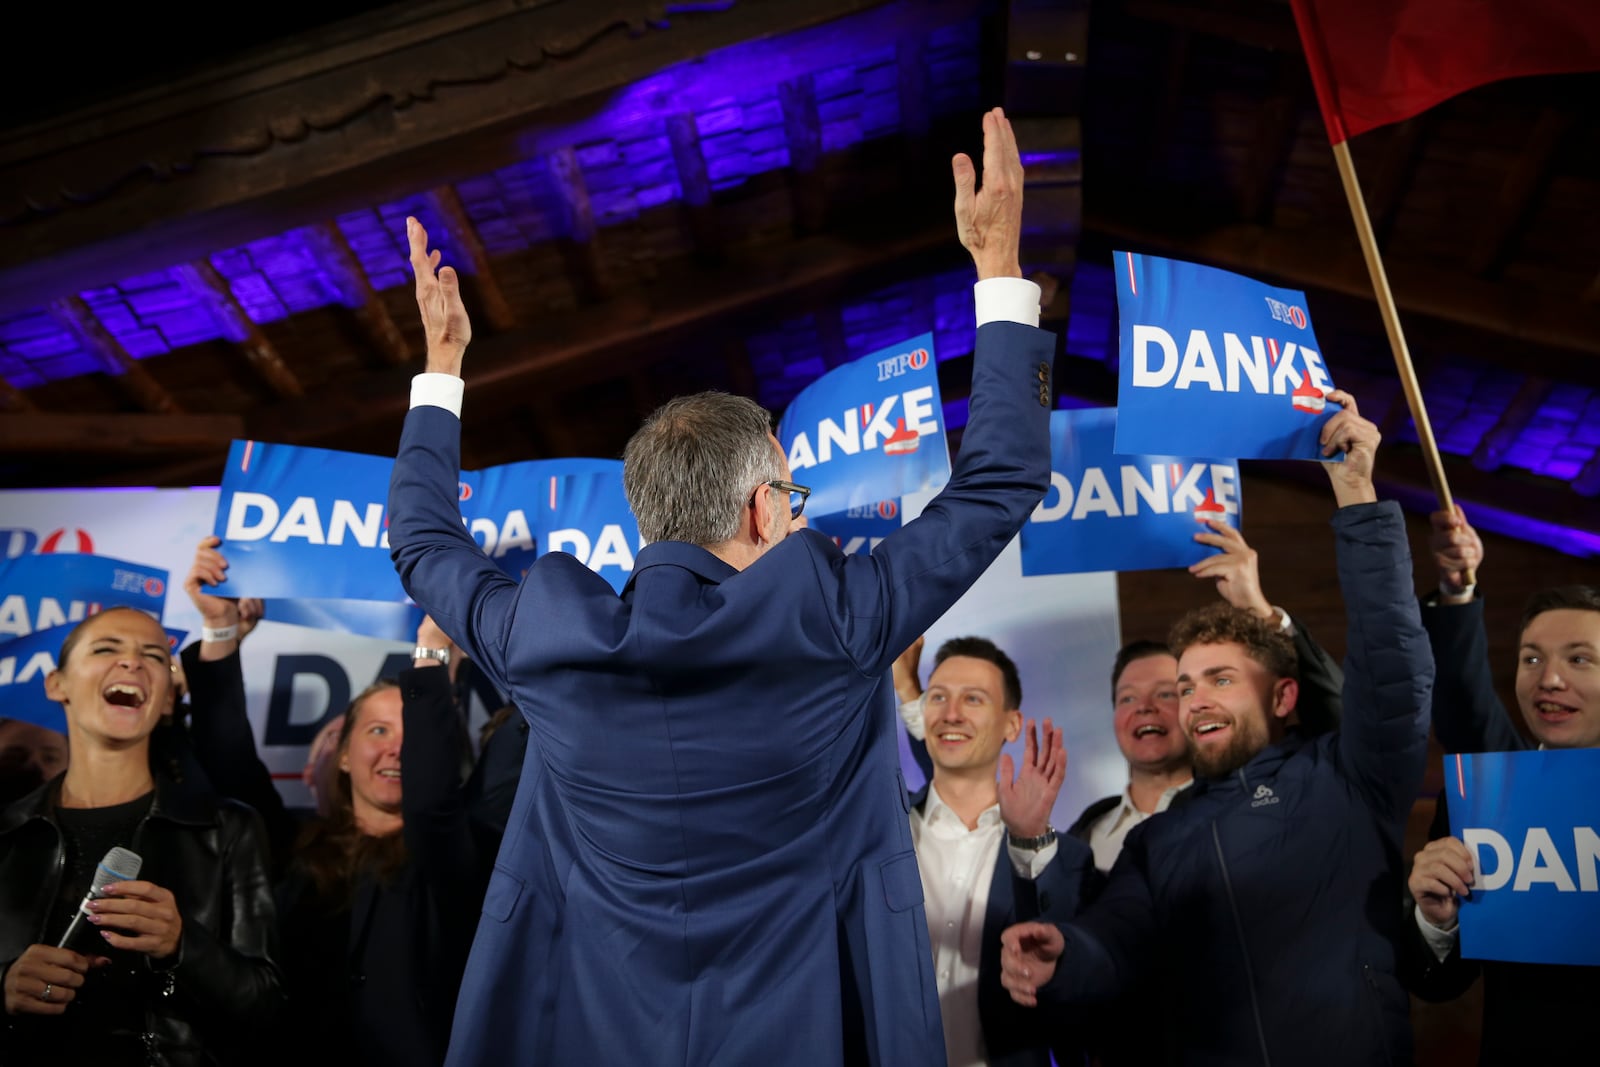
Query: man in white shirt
985, 847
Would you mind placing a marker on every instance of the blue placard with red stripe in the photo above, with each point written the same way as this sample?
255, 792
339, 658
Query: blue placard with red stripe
1214, 363
38, 592
1532, 823
869, 430
860, 529
1111, 512
310, 522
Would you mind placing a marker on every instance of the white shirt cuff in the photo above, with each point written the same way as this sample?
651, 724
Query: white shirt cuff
438, 390
1007, 300
911, 715
1443, 942
1030, 863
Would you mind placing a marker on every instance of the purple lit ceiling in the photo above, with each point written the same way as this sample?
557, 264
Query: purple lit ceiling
647, 197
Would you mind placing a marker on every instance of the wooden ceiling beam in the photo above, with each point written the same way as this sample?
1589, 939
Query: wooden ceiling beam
41, 433
1492, 448
335, 255
1257, 23
694, 178
400, 100
1396, 168
600, 342
464, 236
1277, 121
75, 315
203, 282
802, 129
1564, 334
1524, 185
13, 399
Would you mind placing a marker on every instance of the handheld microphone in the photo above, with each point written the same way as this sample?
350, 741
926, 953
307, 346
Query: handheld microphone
120, 865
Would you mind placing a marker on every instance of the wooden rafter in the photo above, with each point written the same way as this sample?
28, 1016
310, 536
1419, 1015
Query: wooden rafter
830, 334
140, 384
335, 256
203, 282
601, 342
581, 246
14, 399
1524, 185
498, 310
1396, 168
170, 175
803, 130
1494, 445
1565, 334
152, 432
1277, 119
695, 180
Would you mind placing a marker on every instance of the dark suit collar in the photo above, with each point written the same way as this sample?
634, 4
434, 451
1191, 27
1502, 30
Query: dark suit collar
692, 558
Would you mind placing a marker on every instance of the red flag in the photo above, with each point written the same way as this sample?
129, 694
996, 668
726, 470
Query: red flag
1380, 61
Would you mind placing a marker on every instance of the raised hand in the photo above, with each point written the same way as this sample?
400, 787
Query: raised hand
1440, 876
1027, 798
1236, 568
140, 917
444, 316
1357, 438
989, 220
1028, 955
210, 568
1457, 551
907, 685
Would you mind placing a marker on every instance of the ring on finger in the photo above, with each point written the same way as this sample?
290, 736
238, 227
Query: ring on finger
45, 995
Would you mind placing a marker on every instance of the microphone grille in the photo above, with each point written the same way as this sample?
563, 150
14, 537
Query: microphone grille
120, 865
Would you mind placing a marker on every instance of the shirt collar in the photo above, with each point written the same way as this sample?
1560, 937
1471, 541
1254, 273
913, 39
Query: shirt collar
936, 810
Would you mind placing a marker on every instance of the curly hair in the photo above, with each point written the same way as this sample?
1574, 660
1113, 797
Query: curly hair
1220, 623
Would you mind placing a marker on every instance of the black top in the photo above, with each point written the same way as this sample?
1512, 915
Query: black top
107, 1010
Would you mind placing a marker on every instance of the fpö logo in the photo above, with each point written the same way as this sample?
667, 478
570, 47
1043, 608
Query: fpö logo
1293, 314
16, 542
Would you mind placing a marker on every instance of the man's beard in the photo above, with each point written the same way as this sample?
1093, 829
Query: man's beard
1215, 762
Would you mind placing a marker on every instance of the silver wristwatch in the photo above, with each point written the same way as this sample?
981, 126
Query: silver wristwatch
1034, 844
440, 654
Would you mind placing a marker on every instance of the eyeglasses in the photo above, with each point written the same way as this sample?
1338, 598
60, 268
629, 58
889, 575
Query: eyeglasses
797, 495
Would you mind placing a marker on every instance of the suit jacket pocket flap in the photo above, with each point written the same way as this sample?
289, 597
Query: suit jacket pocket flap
505, 889
902, 882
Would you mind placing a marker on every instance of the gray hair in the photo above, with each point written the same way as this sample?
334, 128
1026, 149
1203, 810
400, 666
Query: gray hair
690, 469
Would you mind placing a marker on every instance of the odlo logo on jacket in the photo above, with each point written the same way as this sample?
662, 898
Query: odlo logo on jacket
1263, 797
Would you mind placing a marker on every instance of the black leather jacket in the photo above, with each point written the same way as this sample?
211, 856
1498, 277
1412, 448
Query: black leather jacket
225, 986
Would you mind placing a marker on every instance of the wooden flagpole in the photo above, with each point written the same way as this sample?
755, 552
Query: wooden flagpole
1391, 325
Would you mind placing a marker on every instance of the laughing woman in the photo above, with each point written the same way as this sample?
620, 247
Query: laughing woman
171, 967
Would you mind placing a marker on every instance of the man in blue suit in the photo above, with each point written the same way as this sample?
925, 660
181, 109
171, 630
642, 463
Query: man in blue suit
709, 860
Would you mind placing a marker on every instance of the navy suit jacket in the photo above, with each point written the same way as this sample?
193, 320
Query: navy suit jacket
709, 859
1014, 1036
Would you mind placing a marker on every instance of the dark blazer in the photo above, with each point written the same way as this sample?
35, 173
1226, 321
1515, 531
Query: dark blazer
1262, 905
224, 992
1014, 1036
1532, 1013
709, 860
373, 977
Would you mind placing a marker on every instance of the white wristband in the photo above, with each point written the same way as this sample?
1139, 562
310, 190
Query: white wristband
221, 633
